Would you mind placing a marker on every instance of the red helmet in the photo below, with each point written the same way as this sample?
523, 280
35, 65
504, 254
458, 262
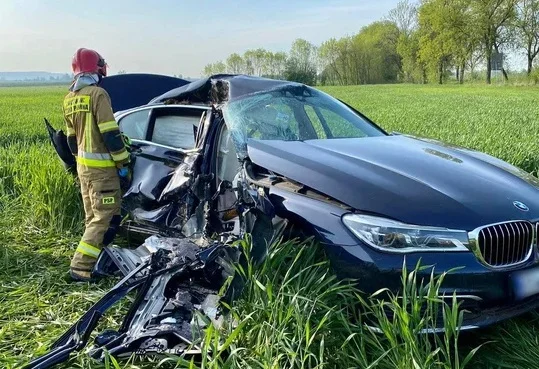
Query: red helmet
88, 61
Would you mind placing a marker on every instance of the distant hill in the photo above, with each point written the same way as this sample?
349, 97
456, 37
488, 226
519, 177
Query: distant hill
37, 76
33, 76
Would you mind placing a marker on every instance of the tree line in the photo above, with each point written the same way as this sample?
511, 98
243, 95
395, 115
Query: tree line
417, 42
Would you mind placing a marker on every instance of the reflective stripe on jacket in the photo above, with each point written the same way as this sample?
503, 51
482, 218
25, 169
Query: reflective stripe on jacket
92, 132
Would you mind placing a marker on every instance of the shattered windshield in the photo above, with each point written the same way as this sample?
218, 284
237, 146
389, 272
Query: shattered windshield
296, 113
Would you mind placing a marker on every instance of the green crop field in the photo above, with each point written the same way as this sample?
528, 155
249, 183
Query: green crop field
294, 313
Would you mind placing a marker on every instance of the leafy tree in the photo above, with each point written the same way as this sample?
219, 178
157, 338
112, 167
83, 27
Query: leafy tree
219, 68
474, 61
490, 18
235, 64
255, 61
214, 68
278, 64
274, 64
376, 48
466, 40
527, 29
208, 70
435, 41
370, 56
413, 69
330, 55
447, 37
301, 63
417, 41
405, 17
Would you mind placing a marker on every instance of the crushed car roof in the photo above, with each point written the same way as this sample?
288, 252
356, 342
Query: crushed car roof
220, 88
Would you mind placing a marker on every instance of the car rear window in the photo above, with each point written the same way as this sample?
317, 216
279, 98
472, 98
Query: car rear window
175, 131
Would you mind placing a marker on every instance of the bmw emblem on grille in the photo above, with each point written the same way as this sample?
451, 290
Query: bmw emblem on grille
520, 206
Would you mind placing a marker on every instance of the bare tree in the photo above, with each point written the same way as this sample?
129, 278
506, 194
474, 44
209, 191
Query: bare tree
404, 15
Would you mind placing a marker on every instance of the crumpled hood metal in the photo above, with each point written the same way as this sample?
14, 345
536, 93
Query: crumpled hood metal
221, 88
407, 179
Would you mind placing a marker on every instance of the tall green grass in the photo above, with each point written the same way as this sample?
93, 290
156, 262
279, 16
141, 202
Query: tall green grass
31, 180
296, 314
45, 195
501, 121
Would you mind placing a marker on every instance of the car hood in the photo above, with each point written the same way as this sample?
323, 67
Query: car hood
408, 179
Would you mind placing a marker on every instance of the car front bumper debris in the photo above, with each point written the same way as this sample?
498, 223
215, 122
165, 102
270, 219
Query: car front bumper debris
177, 285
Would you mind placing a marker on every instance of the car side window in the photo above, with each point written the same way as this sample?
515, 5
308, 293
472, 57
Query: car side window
135, 125
339, 126
175, 131
317, 125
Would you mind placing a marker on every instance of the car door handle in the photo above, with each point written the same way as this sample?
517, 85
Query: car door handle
138, 145
174, 154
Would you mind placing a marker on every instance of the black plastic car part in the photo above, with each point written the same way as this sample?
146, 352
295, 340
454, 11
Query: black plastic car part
78, 335
177, 287
59, 142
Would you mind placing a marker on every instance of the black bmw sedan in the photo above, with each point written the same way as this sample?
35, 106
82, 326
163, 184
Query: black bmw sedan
232, 154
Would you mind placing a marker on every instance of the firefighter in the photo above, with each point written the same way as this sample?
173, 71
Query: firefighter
94, 139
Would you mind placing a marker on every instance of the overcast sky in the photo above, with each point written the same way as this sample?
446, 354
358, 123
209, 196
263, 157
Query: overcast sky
168, 36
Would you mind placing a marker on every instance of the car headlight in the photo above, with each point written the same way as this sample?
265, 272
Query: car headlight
389, 235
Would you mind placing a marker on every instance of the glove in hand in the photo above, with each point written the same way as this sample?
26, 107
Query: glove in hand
123, 172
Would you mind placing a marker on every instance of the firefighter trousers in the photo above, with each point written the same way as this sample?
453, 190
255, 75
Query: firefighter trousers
101, 196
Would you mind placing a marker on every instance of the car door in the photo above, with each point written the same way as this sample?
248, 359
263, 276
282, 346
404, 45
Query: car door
161, 136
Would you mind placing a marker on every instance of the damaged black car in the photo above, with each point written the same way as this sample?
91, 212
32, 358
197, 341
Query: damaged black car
231, 155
